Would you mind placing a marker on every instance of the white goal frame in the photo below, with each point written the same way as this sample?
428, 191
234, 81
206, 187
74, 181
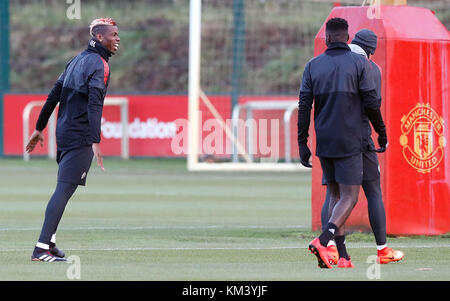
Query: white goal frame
195, 94
109, 101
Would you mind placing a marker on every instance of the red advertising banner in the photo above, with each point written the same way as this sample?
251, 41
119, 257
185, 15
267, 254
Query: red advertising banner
157, 126
152, 124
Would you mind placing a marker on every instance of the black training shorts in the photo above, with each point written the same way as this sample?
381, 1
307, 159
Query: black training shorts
371, 169
347, 171
74, 165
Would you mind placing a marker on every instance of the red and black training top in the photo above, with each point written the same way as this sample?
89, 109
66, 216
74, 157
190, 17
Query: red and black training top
80, 91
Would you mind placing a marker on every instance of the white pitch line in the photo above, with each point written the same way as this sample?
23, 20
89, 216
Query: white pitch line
164, 249
164, 227
357, 246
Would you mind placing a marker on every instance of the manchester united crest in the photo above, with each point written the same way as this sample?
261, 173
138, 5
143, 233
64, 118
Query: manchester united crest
422, 138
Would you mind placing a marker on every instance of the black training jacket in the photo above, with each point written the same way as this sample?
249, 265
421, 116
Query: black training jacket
376, 75
80, 91
341, 86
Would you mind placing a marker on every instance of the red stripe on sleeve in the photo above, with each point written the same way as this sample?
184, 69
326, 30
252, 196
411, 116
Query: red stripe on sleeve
105, 70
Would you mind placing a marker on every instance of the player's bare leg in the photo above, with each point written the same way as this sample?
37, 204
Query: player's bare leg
338, 252
345, 205
348, 197
334, 195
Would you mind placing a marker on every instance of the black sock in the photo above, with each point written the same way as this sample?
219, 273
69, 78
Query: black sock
340, 245
327, 234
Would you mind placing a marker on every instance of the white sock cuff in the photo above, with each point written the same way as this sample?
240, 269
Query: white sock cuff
42, 246
379, 248
331, 243
53, 239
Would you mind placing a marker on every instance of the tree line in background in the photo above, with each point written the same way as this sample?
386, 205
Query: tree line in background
153, 56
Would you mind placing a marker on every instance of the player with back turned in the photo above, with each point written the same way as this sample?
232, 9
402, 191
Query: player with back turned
340, 85
80, 91
365, 44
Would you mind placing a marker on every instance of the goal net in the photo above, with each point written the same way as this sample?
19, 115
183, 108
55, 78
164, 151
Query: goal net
246, 59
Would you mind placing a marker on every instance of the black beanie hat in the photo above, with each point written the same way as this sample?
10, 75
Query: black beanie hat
367, 39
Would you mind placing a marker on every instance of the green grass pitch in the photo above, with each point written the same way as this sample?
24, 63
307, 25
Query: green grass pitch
150, 219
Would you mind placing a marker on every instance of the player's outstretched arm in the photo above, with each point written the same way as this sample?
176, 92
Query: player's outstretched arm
50, 104
36, 137
98, 155
44, 115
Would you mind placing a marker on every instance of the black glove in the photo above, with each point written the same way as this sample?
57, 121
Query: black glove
378, 125
383, 143
305, 154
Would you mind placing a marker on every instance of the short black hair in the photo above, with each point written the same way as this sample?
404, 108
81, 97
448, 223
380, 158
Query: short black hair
99, 29
337, 25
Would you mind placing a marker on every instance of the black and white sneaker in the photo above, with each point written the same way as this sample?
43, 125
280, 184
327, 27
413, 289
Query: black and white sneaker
47, 257
44, 255
56, 252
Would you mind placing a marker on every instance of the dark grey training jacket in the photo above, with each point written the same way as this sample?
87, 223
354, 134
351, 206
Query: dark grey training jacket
80, 91
340, 84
